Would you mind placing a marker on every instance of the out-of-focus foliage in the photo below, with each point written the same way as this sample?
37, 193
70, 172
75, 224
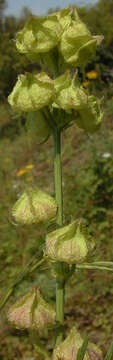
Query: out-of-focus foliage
99, 19
3, 5
11, 63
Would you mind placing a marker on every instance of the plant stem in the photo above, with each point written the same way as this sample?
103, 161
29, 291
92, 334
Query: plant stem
93, 267
22, 274
58, 176
60, 286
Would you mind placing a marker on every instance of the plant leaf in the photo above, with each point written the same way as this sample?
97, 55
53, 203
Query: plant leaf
109, 353
82, 351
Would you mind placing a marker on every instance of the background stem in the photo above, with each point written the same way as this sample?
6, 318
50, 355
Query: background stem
59, 199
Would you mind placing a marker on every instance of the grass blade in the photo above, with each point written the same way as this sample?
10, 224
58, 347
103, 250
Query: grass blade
109, 353
83, 349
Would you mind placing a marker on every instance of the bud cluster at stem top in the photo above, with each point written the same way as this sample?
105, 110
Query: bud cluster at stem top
62, 30
57, 98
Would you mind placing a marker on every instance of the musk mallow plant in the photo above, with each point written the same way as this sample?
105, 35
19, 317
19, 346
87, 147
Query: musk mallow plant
52, 101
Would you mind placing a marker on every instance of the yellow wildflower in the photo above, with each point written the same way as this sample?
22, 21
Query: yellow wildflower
21, 172
7, 159
112, 97
93, 74
85, 83
29, 178
29, 166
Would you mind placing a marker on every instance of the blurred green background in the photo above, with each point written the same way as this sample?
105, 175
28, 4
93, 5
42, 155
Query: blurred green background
87, 187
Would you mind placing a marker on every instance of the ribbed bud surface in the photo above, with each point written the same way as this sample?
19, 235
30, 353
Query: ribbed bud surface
40, 35
68, 349
77, 45
90, 116
69, 95
69, 244
31, 92
94, 352
32, 312
34, 206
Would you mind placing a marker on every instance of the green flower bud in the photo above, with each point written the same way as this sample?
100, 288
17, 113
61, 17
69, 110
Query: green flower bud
39, 35
65, 17
34, 206
77, 44
37, 126
70, 244
31, 92
94, 352
32, 312
68, 93
90, 117
68, 349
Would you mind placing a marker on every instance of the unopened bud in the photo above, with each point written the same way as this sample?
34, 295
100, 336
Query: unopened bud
70, 244
68, 349
90, 116
77, 44
32, 312
40, 35
94, 352
69, 95
34, 206
32, 92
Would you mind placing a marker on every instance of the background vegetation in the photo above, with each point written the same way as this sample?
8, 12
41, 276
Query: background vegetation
87, 185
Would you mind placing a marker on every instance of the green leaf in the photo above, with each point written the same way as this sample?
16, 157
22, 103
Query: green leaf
37, 126
109, 353
82, 350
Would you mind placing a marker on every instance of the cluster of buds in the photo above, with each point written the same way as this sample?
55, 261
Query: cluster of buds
56, 42
62, 31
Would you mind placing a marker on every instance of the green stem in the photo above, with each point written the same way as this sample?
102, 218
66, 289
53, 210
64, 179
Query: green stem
19, 279
93, 267
60, 301
38, 346
60, 286
58, 176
